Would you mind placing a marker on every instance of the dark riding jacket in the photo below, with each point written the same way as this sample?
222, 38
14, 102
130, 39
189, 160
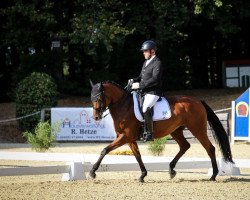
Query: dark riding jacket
150, 77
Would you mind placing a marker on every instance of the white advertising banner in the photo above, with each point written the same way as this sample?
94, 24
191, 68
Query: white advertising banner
77, 124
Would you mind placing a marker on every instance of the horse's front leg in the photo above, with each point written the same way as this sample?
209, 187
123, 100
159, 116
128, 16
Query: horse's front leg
119, 141
136, 152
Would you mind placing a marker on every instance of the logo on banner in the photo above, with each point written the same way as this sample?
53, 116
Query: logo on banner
242, 109
83, 120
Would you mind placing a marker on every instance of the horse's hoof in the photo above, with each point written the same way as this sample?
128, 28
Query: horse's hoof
141, 180
172, 174
143, 175
92, 175
212, 179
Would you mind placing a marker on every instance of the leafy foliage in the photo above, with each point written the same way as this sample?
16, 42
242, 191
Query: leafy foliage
43, 137
157, 146
193, 37
34, 93
28, 23
99, 22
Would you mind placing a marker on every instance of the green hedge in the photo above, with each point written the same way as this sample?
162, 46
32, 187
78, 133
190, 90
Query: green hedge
33, 93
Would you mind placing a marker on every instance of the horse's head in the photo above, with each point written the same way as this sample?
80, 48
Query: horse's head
103, 95
98, 100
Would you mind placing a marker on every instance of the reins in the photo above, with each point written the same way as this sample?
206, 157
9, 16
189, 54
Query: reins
127, 88
115, 103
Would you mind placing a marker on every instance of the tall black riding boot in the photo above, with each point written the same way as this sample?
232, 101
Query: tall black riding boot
148, 124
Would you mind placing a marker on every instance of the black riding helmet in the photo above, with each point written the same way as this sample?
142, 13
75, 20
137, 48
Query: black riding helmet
149, 44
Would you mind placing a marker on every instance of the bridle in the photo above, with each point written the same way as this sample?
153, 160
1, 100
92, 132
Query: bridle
101, 98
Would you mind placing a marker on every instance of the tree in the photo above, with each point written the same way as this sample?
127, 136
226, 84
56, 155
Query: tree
193, 38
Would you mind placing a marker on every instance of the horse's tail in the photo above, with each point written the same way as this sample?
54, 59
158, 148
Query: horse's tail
219, 133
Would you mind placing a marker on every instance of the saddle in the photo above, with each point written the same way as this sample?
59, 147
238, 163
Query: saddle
161, 110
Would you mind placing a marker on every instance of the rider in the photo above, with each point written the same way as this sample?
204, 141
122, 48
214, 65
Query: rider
149, 82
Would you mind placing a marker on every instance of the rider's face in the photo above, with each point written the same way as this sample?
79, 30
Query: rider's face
146, 54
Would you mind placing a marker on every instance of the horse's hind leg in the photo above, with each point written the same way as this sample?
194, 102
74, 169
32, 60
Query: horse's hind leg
184, 146
201, 135
134, 147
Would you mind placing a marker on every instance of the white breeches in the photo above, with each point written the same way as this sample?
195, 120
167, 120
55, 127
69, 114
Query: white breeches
149, 101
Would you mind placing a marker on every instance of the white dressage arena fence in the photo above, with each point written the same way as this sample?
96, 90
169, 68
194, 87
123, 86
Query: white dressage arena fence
78, 164
72, 170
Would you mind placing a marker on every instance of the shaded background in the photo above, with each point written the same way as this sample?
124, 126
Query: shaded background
75, 40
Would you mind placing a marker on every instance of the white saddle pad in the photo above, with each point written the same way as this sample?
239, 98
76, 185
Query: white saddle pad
161, 109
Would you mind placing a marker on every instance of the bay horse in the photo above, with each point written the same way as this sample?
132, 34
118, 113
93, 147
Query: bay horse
186, 112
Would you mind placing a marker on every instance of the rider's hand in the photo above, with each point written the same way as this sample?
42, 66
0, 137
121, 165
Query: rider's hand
135, 86
130, 81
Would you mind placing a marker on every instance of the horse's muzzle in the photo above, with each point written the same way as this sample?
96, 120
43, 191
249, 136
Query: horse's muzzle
97, 118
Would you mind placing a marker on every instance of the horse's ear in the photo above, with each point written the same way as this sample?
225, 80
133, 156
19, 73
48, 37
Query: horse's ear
91, 83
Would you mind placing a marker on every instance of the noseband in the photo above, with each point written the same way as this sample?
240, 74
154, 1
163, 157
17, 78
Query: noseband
100, 96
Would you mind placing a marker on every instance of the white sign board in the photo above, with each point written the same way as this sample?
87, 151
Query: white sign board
78, 124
